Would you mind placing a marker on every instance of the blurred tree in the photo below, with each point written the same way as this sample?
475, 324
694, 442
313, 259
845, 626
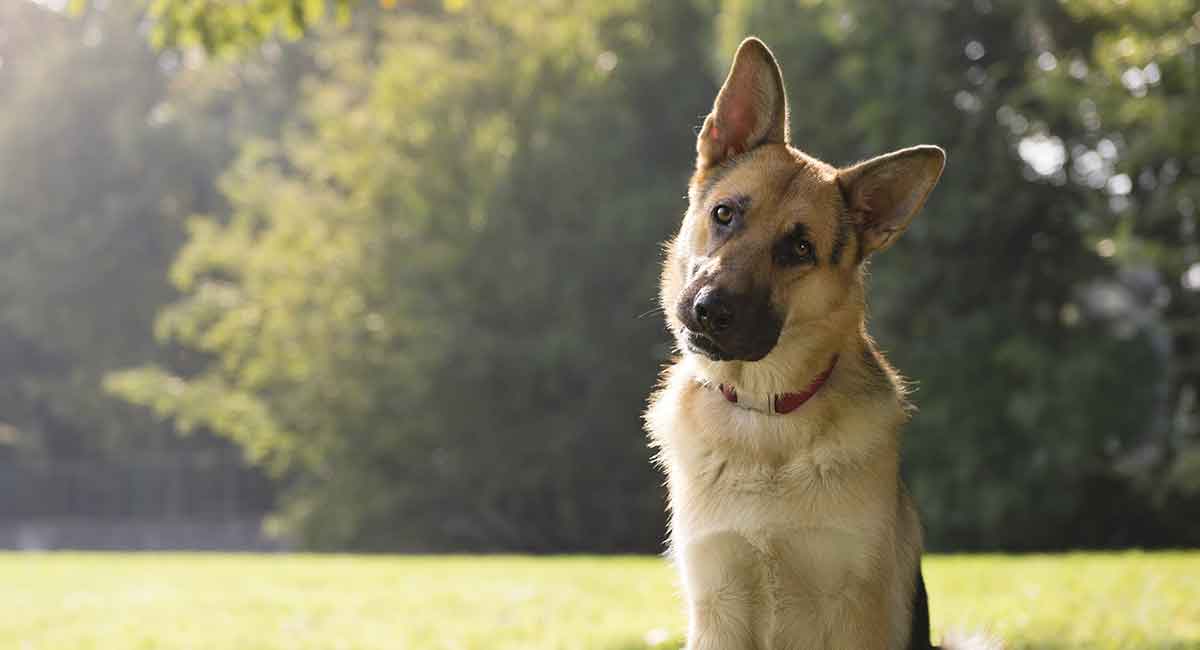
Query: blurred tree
1122, 101
420, 309
418, 312
106, 144
994, 302
219, 26
82, 244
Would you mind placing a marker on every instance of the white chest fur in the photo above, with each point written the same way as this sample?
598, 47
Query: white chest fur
782, 526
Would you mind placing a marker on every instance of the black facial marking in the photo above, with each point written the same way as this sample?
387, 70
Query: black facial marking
840, 238
849, 221
918, 636
742, 203
800, 230
751, 335
788, 251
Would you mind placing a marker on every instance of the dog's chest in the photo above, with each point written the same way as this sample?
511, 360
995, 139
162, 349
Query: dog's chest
723, 493
810, 497
802, 522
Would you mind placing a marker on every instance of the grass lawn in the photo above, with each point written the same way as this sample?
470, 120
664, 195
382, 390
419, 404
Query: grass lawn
254, 602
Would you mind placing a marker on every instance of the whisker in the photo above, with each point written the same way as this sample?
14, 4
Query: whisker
651, 311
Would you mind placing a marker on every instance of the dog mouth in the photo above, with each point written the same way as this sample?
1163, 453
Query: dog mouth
704, 345
708, 347
751, 336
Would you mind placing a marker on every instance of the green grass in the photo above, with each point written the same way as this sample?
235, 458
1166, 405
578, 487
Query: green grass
249, 602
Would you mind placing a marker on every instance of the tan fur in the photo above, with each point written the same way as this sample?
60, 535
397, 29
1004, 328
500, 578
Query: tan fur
789, 531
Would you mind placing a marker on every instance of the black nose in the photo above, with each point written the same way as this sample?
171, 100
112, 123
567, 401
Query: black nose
713, 312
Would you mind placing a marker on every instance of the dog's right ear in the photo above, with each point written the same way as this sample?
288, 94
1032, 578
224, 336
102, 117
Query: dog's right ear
884, 193
750, 110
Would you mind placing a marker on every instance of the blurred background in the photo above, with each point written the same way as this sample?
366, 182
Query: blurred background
382, 276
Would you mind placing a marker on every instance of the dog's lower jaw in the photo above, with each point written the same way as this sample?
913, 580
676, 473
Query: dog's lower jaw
701, 345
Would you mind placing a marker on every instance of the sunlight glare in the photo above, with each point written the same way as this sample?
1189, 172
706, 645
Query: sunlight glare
53, 5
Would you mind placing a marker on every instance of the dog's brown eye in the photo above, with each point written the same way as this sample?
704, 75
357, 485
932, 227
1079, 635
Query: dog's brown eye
722, 214
794, 250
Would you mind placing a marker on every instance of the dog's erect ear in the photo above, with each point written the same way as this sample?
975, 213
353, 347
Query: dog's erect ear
750, 110
884, 194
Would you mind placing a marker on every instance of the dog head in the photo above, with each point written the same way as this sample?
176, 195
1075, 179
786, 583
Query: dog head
771, 250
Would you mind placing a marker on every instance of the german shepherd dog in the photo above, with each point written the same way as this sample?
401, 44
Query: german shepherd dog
778, 427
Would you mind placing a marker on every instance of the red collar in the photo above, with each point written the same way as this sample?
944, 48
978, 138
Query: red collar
784, 403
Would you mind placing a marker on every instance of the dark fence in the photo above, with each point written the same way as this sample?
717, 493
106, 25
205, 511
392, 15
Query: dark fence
202, 500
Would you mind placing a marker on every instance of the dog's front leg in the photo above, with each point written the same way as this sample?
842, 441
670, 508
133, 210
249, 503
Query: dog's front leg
827, 596
849, 621
723, 583
860, 619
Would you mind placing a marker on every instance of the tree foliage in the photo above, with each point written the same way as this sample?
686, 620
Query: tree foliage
1122, 102
107, 145
420, 308
220, 26
1051, 387
417, 281
83, 239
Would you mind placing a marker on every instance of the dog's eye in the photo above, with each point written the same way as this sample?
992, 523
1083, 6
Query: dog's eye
723, 214
794, 250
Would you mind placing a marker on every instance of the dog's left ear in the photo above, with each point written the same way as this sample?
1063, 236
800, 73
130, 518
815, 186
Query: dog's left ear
750, 110
884, 194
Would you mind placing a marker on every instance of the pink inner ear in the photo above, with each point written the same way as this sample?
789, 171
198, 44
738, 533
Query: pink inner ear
739, 124
741, 116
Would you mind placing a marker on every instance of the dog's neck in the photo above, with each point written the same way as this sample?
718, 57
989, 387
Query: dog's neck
778, 403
